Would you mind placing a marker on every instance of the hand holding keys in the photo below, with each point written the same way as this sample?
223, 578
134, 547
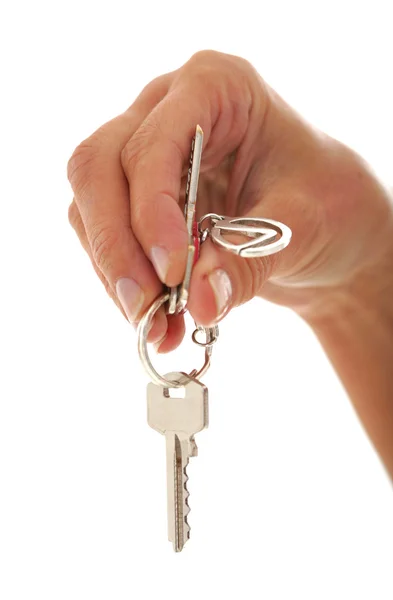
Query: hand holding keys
179, 419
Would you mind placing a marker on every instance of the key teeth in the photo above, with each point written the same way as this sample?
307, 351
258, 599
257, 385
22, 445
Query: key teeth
185, 476
186, 507
185, 479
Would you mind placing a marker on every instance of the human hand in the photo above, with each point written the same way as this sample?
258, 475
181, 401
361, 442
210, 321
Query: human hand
260, 158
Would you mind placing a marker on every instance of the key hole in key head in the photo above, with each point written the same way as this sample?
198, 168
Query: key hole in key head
175, 392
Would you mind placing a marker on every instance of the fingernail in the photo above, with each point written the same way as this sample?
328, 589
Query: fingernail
131, 297
222, 288
160, 259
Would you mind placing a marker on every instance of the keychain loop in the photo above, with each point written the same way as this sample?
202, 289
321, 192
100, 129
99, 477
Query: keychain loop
143, 330
265, 236
213, 220
209, 343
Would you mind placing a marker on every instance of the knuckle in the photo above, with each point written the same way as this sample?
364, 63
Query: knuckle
158, 85
137, 147
211, 61
254, 273
257, 270
215, 71
204, 56
81, 164
103, 241
73, 215
203, 66
128, 156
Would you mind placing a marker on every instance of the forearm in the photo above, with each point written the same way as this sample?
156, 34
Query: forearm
355, 327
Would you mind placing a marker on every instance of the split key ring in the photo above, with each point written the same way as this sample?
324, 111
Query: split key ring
143, 330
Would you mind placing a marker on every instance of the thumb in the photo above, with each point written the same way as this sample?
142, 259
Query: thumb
222, 280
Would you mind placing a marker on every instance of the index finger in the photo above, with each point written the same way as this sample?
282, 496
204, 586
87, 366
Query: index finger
153, 161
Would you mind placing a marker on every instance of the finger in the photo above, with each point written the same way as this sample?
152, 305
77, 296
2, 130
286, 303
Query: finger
76, 222
101, 194
160, 325
222, 280
174, 335
153, 160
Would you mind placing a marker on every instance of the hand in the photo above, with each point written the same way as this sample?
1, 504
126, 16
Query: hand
260, 158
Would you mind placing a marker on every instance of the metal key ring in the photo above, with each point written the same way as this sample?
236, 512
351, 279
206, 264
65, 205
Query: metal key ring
142, 332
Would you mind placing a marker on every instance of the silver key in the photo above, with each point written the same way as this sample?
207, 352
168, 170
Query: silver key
179, 419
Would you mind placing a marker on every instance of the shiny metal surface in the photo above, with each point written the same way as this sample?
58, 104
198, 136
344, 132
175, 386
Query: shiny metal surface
179, 294
211, 334
179, 419
265, 235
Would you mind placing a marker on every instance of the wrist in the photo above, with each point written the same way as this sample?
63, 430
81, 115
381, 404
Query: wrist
355, 327
369, 292
370, 285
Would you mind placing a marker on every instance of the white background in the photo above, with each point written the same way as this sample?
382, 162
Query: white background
289, 499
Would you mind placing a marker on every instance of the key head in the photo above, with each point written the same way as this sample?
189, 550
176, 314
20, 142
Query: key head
187, 415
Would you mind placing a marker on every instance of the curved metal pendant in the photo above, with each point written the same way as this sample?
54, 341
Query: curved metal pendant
265, 235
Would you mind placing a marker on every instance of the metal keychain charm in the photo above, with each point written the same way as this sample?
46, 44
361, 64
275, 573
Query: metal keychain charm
265, 235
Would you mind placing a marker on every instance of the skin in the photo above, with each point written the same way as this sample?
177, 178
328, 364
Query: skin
260, 158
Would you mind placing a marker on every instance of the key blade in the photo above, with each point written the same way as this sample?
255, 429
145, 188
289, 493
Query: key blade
182, 528
178, 453
179, 294
179, 419
193, 179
